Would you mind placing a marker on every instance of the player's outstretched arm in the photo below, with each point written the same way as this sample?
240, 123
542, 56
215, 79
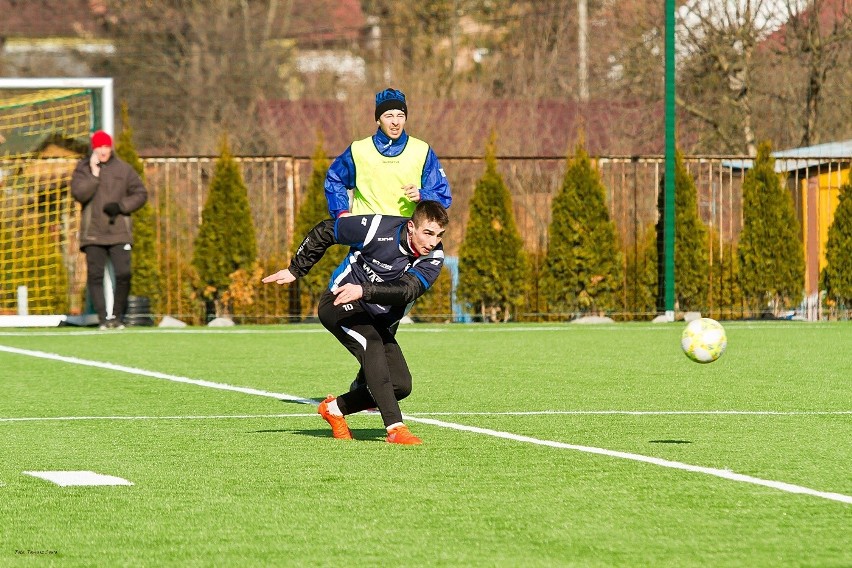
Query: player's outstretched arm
398, 292
283, 276
311, 250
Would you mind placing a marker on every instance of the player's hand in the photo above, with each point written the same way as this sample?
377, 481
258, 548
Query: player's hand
95, 164
412, 192
347, 294
281, 277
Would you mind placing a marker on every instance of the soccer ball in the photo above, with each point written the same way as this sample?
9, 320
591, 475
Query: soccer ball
704, 340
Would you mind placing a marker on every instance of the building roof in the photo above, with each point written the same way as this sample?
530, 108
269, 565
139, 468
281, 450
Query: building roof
462, 128
546, 127
308, 22
842, 149
52, 18
322, 21
802, 158
295, 125
831, 13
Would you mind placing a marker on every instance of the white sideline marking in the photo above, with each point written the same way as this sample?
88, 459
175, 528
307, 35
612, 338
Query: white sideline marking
725, 474
414, 415
200, 331
73, 478
416, 328
153, 374
213, 417
641, 412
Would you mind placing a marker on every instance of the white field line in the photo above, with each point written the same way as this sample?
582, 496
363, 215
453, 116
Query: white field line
153, 374
416, 415
724, 474
415, 328
190, 417
641, 412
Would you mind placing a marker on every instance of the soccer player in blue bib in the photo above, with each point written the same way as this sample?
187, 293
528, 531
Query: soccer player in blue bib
388, 172
391, 262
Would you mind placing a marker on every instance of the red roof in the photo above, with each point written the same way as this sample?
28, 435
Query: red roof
321, 21
462, 128
832, 13
309, 22
295, 124
52, 18
543, 127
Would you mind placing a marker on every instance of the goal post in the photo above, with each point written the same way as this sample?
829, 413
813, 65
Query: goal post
45, 126
103, 102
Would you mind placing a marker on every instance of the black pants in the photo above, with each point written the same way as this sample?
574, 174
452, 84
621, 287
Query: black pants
387, 379
96, 257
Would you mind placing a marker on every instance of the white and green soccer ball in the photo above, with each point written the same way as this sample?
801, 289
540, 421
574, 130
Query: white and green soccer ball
704, 340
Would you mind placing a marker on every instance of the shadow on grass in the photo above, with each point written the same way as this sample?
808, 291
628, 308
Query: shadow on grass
300, 403
669, 442
364, 434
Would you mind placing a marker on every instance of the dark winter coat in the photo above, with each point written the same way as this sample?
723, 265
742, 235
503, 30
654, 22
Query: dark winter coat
118, 183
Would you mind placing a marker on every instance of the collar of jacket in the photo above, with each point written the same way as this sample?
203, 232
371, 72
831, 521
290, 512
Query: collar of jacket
388, 147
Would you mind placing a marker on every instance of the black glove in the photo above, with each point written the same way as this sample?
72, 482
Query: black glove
113, 210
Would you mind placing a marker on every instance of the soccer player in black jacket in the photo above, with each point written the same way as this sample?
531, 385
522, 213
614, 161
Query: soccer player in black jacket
392, 261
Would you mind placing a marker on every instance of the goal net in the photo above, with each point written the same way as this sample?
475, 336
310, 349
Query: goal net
43, 132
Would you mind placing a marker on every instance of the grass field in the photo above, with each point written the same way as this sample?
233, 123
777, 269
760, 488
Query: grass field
544, 445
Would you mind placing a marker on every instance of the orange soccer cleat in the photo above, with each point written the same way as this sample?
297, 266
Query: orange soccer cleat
401, 435
339, 428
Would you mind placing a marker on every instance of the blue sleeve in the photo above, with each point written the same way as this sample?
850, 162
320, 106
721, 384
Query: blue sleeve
340, 178
428, 268
433, 183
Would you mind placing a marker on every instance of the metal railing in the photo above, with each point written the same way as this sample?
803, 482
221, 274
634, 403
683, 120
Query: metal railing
276, 185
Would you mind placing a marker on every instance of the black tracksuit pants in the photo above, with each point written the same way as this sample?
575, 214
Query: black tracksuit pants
96, 257
387, 379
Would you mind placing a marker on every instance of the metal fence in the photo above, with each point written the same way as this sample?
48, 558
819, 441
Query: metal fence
178, 188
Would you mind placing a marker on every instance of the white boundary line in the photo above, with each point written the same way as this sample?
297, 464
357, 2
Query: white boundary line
416, 415
641, 413
416, 328
191, 417
724, 474
153, 374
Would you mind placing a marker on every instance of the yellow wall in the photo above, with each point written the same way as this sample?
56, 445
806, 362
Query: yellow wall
828, 186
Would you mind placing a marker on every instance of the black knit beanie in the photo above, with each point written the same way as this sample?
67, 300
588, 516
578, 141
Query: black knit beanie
390, 99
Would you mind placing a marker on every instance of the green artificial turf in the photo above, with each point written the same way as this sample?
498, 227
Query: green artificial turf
226, 478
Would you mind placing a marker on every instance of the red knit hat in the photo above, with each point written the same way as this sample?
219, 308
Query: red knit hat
101, 138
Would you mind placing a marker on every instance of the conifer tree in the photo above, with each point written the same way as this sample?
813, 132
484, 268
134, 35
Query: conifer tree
725, 290
492, 262
583, 269
437, 301
837, 274
146, 276
226, 240
642, 276
691, 245
313, 209
770, 251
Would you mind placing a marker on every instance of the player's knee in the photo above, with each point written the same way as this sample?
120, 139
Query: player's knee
402, 391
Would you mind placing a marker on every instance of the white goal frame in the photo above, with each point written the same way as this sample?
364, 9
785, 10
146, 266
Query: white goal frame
102, 84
